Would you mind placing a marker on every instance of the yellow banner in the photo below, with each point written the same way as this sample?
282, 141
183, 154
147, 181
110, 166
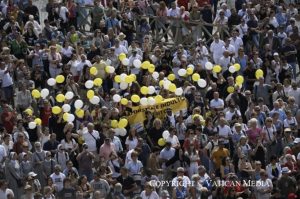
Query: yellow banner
137, 116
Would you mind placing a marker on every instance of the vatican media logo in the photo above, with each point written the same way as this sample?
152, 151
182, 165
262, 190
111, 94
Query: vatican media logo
211, 183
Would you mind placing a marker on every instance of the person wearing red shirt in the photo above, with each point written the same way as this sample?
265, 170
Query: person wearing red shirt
8, 118
46, 113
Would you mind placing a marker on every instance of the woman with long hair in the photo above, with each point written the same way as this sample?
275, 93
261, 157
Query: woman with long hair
194, 160
226, 167
84, 187
155, 133
132, 139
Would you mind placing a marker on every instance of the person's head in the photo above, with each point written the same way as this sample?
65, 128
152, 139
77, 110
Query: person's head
157, 123
82, 180
53, 137
168, 145
257, 165
37, 146
124, 171
148, 187
253, 123
201, 170
273, 159
216, 95
180, 171
57, 169
90, 127
67, 182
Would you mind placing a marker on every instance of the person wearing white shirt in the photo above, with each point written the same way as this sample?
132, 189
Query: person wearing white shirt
37, 27
119, 48
5, 193
223, 130
149, 192
174, 13
295, 92
116, 140
264, 186
216, 48
185, 180
90, 136
133, 57
216, 103
236, 41
166, 154
135, 166
173, 138
81, 64
58, 178
225, 61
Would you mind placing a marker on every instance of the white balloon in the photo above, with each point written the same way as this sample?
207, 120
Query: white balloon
208, 65
71, 118
166, 134
111, 69
31, 125
69, 95
155, 75
116, 98
137, 63
89, 84
122, 132
182, 72
95, 100
178, 91
167, 84
144, 101
123, 85
66, 108
107, 62
125, 62
191, 66
51, 82
123, 76
151, 101
153, 59
78, 104
44, 93
202, 83
232, 69
151, 90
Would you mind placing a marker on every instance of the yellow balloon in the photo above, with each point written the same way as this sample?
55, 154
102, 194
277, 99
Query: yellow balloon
217, 68
189, 71
161, 83
56, 110
60, 98
230, 89
239, 79
195, 116
171, 77
144, 90
122, 123
122, 56
237, 66
118, 78
161, 142
124, 101
79, 113
158, 98
133, 77
172, 87
29, 111
107, 69
259, 73
128, 79
151, 68
98, 82
135, 98
114, 123
36, 93
60, 79
145, 65
38, 121
195, 77
65, 116
93, 70
90, 94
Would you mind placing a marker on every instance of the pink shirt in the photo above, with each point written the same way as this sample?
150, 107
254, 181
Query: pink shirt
253, 135
106, 150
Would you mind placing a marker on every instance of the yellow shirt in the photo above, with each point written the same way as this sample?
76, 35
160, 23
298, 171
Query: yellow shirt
218, 155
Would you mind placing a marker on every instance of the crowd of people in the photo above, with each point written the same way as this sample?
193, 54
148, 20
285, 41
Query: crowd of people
67, 98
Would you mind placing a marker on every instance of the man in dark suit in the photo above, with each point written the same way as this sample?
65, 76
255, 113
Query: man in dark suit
272, 40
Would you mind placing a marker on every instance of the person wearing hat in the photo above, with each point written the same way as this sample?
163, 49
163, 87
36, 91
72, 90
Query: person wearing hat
29, 192
186, 182
33, 182
123, 42
286, 184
